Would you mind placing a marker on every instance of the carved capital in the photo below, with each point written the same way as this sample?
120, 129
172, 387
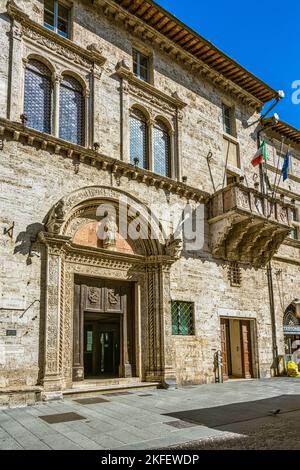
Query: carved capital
25, 61
57, 78
17, 30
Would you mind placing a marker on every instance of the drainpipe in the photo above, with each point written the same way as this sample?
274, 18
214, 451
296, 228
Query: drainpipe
273, 318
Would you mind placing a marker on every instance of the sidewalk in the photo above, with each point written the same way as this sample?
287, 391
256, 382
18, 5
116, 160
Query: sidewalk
145, 420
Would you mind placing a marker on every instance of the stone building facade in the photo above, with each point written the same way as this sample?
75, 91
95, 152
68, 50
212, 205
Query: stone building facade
116, 99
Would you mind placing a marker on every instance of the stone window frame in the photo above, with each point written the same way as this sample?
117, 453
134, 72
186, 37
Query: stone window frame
232, 117
58, 72
152, 119
156, 105
32, 40
231, 138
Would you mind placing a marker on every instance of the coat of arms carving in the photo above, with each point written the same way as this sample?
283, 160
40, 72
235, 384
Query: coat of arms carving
93, 295
113, 297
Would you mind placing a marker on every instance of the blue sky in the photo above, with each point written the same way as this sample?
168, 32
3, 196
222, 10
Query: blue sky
263, 36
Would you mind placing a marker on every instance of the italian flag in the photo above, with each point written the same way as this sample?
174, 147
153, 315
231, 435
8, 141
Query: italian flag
260, 156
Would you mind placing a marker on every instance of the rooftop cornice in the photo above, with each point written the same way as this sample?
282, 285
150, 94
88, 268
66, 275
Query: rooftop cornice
82, 155
282, 129
34, 31
235, 80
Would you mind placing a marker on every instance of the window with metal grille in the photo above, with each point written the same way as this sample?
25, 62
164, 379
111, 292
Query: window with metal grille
228, 120
57, 17
138, 139
71, 111
235, 275
161, 149
141, 66
182, 318
38, 96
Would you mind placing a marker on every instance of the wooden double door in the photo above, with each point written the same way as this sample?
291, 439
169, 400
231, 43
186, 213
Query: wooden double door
103, 329
237, 348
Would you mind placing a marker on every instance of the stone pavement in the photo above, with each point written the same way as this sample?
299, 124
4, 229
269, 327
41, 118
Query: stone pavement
155, 419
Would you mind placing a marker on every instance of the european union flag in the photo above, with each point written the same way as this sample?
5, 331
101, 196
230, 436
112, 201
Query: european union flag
286, 166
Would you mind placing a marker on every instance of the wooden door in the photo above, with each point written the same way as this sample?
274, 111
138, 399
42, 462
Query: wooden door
246, 349
224, 348
104, 301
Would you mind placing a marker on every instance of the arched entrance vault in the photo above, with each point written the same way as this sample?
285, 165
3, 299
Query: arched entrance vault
70, 253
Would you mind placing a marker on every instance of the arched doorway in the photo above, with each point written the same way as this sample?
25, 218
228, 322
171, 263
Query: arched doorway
291, 329
115, 293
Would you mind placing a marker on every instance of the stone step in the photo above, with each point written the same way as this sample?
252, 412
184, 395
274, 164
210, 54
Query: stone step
88, 390
104, 382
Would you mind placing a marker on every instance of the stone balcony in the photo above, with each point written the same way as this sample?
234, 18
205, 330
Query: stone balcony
246, 225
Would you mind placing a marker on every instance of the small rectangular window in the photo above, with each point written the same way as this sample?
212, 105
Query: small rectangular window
294, 215
235, 274
141, 66
294, 235
57, 17
228, 120
182, 318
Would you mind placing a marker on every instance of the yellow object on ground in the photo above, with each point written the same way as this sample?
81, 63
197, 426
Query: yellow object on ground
292, 369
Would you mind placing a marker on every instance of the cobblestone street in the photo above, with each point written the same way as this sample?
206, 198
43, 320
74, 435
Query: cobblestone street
250, 414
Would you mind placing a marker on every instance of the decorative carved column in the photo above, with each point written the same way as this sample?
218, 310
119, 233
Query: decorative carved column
15, 98
125, 365
178, 145
96, 104
150, 126
87, 142
78, 340
154, 326
52, 380
173, 164
57, 79
125, 121
169, 373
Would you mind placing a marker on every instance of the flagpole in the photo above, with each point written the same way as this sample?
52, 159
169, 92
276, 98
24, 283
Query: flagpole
277, 169
281, 174
261, 173
269, 279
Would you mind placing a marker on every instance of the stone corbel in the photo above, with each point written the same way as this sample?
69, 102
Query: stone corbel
14, 11
174, 247
56, 218
17, 30
96, 54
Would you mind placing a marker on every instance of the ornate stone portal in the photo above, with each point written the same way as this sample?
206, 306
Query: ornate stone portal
148, 268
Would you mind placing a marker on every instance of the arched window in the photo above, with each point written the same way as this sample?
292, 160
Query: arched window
138, 138
38, 96
71, 111
290, 318
161, 149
